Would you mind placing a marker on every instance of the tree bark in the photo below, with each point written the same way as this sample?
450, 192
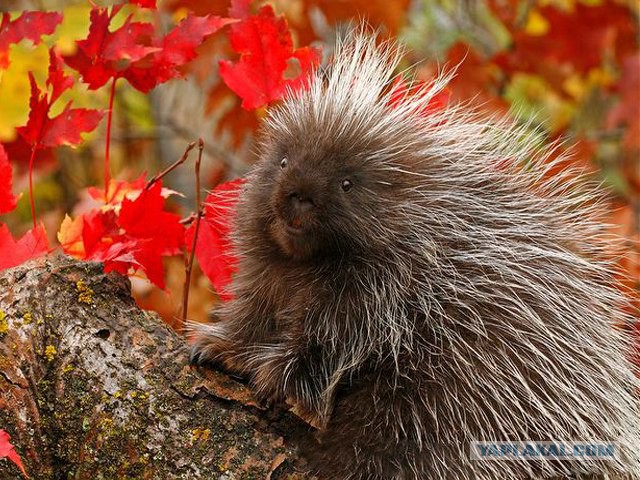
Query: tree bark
91, 387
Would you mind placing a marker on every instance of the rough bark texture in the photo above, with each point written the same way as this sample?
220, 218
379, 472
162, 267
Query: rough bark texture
91, 387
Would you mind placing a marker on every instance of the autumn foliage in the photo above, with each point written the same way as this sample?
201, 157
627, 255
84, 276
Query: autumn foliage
131, 230
573, 64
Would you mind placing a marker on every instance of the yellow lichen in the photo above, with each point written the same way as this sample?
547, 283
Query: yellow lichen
68, 368
200, 434
106, 425
50, 352
4, 326
27, 318
85, 292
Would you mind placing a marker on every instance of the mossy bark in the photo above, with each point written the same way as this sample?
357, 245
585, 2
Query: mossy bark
91, 387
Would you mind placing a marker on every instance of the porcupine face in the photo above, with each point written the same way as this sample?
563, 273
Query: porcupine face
334, 176
323, 198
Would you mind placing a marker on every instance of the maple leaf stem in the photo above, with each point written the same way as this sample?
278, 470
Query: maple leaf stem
107, 173
189, 261
171, 167
31, 200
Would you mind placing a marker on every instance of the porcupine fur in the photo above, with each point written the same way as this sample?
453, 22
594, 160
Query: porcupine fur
458, 291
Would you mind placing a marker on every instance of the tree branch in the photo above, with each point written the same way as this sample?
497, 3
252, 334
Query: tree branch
93, 387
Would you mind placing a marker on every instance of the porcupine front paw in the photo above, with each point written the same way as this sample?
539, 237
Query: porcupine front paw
209, 343
211, 348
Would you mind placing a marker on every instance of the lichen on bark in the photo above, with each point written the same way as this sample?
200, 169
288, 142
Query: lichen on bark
91, 387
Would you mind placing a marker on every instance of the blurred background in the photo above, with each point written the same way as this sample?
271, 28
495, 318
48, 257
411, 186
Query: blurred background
572, 64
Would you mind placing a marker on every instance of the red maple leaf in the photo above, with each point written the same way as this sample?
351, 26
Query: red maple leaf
7, 198
71, 238
266, 49
106, 54
89, 235
28, 26
134, 52
150, 232
19, 152
174, 50
135, 234
145, 218
96, 236
32, 245
213, 249
41, 131
103, 241
8, 451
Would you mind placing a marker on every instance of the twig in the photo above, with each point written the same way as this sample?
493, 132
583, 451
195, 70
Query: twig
107, 146
188, 220
228, 159
189, 261
31, 199
171, 167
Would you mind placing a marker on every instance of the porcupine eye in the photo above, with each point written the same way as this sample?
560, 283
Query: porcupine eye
346, 185
284, 162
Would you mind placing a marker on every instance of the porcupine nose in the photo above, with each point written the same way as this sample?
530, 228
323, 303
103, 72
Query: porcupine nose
301, 203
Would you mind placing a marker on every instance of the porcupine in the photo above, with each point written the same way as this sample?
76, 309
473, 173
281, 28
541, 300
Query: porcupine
416, 278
